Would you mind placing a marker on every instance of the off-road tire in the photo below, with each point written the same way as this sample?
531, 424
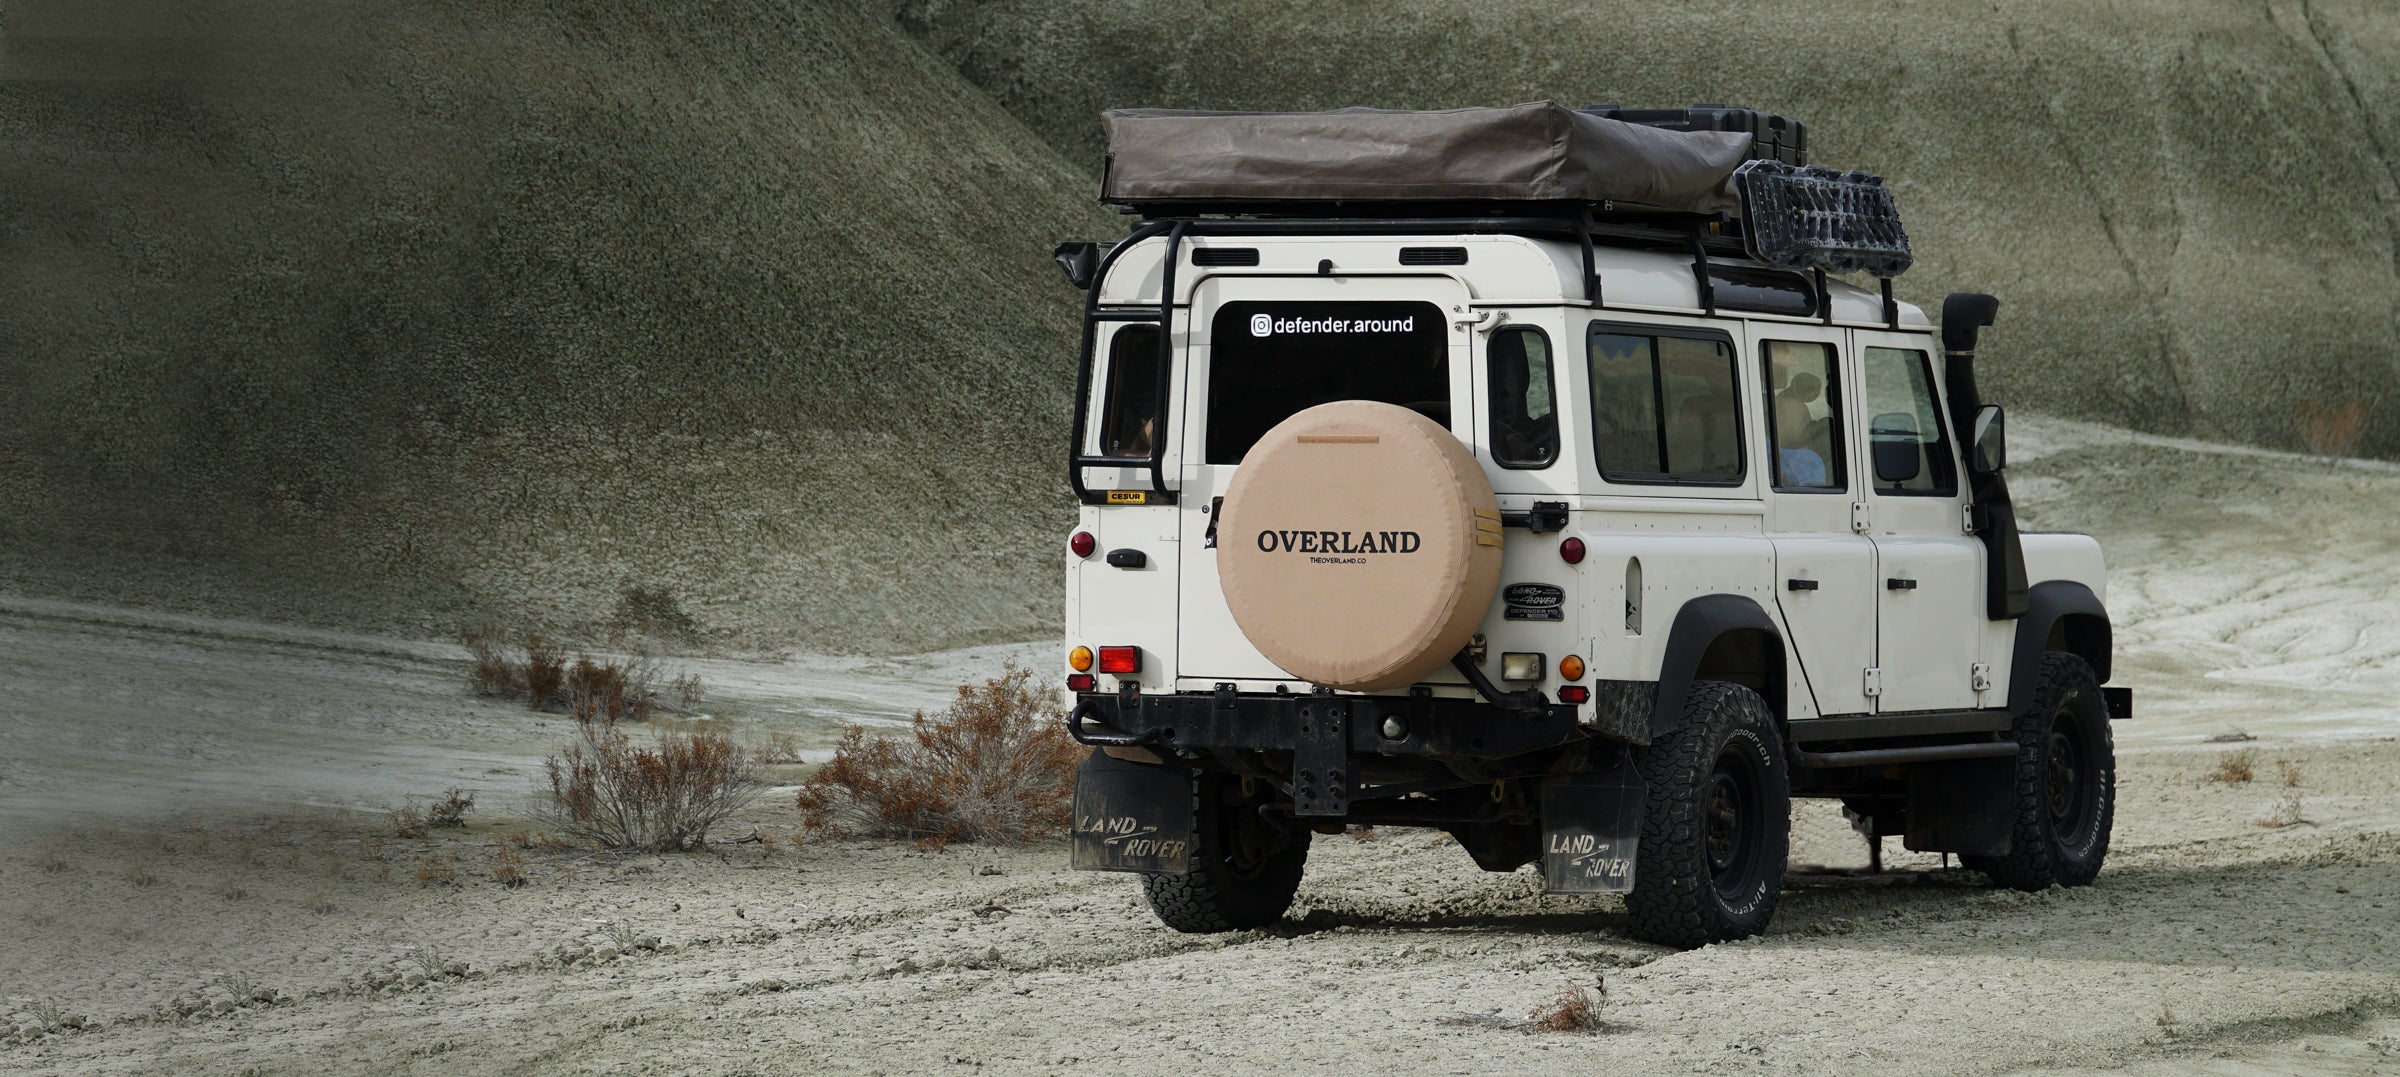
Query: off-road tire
1235, 883
1716, 825
2066, 783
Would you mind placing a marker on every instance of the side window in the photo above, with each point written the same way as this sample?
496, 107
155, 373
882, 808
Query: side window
1132, 392
1664, 408
1524, 423
1804, 416
1905, 441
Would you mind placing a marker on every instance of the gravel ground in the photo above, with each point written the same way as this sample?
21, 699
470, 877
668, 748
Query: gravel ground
201, 878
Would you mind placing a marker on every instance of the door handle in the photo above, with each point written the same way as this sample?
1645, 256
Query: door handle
1800, 585
1898, 584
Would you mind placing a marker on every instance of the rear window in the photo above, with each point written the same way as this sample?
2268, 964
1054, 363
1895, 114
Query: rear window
1268, 361
1664, 408
1132, 392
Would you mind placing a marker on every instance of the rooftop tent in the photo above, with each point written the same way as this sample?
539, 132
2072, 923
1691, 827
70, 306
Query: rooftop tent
1536, 152
1790, 215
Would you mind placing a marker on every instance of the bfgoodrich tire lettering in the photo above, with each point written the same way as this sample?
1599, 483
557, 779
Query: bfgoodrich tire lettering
1245, 867
2066, 783
1716, 825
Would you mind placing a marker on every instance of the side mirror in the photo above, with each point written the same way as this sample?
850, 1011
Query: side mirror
1990, 452
1078, 259
1893, 440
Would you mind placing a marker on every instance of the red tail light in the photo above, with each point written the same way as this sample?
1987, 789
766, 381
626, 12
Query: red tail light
1571, 551
1122, 661
1083, 544
1574, 693
1082, 682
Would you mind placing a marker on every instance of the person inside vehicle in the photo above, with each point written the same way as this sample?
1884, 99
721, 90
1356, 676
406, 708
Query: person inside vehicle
1798, 460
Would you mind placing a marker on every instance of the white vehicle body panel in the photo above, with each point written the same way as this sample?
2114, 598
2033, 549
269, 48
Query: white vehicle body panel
1928, 641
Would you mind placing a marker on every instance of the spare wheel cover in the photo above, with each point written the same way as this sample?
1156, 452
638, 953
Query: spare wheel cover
1359, 546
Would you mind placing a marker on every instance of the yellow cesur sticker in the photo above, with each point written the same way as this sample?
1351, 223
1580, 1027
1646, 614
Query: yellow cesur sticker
1129, 497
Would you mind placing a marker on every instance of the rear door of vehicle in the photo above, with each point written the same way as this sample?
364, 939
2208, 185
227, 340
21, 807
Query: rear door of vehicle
1824, 572
1263, 347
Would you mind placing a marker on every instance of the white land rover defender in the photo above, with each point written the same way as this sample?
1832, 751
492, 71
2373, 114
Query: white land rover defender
1523, 473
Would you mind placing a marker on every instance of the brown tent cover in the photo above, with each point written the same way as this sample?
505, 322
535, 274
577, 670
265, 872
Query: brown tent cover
1535, 152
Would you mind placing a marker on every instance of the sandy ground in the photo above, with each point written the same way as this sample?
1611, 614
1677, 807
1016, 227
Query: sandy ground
198, 876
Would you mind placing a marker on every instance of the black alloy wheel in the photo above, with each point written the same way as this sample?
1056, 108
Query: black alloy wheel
1245, 863
1716, 822
2065, 783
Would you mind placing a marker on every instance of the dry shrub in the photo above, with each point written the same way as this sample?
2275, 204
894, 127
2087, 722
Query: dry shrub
664, 797
685, 693
414, 818
492, 670
2235, 766
141, 875
231, 889
2287, 772
2332, 431
539, 674
997, 766
319, 903
432, 870
544, 671
2286, 813
611, 691
1573, 1009
508, 869
777, 748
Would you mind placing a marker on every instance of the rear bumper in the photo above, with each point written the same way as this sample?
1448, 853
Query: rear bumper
1331, 724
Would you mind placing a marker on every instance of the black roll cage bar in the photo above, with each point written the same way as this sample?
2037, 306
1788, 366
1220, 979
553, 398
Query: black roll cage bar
1670, 233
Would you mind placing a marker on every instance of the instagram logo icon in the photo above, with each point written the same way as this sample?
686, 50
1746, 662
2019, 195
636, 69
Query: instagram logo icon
1261, 325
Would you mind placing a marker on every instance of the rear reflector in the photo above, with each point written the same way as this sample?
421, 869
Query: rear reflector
1573, 693
1121, 661
1082, 682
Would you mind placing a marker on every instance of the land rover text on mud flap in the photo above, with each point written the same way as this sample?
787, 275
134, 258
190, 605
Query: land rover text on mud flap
1530, 474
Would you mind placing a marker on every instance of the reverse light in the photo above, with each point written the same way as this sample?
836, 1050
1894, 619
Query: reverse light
1082, 682
1080, 659
1570, 550
1122, 661
1521, 666
1570, 668
1083, 544
1574, 693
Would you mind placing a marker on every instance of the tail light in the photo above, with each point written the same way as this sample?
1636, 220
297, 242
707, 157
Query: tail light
1574, 693
1571, 551
1082, 682
1083, 544
1122, 661
1570, 668
1080, 659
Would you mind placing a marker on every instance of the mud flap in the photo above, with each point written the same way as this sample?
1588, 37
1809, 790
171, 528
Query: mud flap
1968, 806
1132, 817
1591, 828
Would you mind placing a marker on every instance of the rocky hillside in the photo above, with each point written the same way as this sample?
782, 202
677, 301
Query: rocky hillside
734, 321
